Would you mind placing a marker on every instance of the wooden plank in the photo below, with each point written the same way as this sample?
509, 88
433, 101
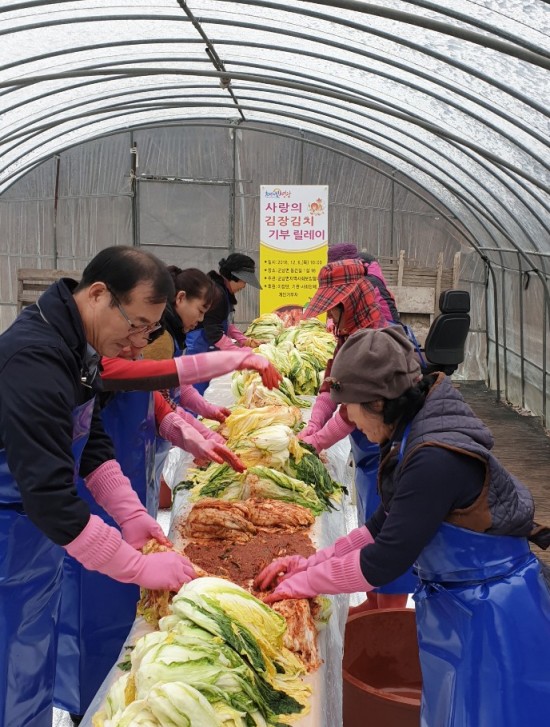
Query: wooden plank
456, 270
47, 274
32, 282
410, 299
400, 268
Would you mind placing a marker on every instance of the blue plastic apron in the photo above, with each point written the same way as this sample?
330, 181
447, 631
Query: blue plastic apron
483, 619
31, 569
366, 455
195, 342
162, 447
97, 612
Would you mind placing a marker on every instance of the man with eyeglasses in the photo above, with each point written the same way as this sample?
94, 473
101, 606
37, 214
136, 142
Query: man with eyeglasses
50, 431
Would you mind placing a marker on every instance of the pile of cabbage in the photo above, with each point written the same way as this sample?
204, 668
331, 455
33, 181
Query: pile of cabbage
217, 661
278, 465
300, 353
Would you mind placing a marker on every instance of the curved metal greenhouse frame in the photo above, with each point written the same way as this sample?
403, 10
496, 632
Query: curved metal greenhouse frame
448, 100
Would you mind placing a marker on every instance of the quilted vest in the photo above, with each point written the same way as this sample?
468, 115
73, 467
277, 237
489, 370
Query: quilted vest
504, 506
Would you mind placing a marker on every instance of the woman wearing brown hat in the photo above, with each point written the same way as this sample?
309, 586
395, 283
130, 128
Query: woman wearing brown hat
450, 507
350, 301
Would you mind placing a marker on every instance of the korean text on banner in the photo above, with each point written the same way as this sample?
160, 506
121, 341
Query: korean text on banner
293, 243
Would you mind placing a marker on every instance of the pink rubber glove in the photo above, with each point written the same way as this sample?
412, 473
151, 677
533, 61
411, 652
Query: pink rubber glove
356, 539
322, 410
112, 490
235, 333
225, 344
199, 426
271, 378
282, 568
334, 430
286, 566
191, 399
180, 434
100, 547
332, 576
206, 366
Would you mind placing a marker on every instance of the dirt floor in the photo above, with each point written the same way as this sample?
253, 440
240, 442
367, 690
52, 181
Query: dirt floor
520, 444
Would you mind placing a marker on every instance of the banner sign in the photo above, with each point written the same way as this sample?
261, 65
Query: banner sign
293, 244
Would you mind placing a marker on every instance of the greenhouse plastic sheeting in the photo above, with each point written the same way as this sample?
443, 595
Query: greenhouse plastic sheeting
427, 120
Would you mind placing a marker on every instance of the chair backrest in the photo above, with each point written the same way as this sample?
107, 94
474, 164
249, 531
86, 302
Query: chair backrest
444, 347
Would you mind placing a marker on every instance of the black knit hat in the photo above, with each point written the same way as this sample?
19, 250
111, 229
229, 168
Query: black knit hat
241, 267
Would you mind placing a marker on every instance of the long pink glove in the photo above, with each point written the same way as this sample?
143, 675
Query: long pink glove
235, 333
112, 490
180, 434
334, 575
199, 426
334, 430
191, 399
356, 539
283, 568
225, 344
322, 410
206, 366
100, 547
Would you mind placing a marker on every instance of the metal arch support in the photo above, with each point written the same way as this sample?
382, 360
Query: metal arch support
438, 131
370, 142
449, 12
425, 144
427, 91
212, 55
382, 34
394, 153
514, 49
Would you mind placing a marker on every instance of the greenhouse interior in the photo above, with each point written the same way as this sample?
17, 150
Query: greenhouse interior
411, 142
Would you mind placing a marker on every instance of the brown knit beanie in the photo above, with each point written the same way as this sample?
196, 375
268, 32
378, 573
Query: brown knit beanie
374, 364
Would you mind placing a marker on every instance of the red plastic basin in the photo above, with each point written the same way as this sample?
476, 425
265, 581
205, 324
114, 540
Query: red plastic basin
382, 681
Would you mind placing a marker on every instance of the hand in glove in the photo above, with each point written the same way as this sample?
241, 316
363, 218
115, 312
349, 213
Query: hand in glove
252, 342
220, 453
112, 490
206, 366
278, 570
271, 378
238, 335
100, 547
179, 433
217, 413
199, 426
332, 576
322, 411
292, 564
225, 343
191, 399
334, 430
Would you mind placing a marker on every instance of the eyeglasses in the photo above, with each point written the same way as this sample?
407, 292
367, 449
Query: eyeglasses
135, 329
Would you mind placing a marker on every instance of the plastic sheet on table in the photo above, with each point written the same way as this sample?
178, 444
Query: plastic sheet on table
326, 682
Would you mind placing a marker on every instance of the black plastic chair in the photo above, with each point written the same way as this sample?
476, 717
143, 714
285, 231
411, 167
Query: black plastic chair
444, 347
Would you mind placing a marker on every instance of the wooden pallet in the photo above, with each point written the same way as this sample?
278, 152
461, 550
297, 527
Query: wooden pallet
31, 283
417, 288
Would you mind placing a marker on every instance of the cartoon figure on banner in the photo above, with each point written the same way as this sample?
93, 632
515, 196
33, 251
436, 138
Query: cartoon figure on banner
317, 207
